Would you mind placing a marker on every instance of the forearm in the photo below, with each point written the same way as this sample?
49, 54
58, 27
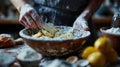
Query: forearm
91, 9
18, 3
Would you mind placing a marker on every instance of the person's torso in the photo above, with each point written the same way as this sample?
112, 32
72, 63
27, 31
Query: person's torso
60, 12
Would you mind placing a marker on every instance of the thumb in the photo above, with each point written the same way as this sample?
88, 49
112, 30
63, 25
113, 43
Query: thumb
84, 25
86, 28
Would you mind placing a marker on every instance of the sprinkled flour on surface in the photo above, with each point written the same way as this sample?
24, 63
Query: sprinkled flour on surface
29, 55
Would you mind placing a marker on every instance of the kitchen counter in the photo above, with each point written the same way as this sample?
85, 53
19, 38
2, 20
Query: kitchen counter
17, 49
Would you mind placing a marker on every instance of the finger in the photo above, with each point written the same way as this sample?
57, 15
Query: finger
30, 21
84, 25
86, 28
36, 18
23, 21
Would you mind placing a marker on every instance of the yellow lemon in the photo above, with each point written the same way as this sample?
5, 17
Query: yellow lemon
87, 51
111, 55
39, 34
102, 44
97, 59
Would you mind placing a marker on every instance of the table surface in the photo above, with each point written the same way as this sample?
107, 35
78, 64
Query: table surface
17, 49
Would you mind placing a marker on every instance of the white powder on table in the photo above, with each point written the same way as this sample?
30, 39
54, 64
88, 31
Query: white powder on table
29, 55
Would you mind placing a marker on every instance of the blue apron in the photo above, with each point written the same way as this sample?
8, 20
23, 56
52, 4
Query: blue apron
60, 12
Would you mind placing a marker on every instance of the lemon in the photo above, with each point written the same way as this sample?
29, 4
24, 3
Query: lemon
39, 34
97, 59
103, 44
87, 51
111, 55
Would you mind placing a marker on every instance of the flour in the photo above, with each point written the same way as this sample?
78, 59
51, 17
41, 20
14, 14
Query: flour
6, 59
52, 32
29, 55
68, 34
58, 63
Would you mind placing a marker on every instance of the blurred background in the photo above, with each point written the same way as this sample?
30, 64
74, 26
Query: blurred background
9, 17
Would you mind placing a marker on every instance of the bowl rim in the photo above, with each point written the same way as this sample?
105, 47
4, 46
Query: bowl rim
102, 29
33, 38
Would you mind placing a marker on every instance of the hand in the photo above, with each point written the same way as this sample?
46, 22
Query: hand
80, 23
116, 20
29, 17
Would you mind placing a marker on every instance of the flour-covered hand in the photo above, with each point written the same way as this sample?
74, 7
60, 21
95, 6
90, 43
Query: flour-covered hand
80, 23
29, 17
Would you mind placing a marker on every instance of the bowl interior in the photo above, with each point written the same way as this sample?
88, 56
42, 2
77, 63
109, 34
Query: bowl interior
27, 33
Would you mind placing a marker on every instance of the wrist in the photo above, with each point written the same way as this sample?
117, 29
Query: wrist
84, 14
22, 6
19, 8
